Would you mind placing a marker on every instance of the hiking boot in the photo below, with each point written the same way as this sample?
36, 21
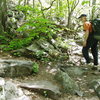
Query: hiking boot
95, 67
89, 65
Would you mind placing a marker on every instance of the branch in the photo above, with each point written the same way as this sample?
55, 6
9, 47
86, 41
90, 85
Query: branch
40, 3
41, 8
74, 5
49, 6
68, 6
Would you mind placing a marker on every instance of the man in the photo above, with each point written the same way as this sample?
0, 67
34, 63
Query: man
89, 41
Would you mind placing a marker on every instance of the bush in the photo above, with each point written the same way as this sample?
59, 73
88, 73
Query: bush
3, 40
38, 28
18, 43
35, 68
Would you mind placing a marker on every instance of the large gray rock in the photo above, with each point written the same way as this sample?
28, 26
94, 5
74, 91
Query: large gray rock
2, 93
15, 68
13, 92
37, 51
10, 91
68, 84
45, 88
34, 47
44, 44
75, 71
95, 84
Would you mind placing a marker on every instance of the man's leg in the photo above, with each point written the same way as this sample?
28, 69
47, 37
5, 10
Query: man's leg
86, 54
85, 49
94, 50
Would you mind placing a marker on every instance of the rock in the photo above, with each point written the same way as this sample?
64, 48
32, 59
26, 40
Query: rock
95, 84
34, 47
45, 88
2, 93
10, 91
62, 43
98, 91
68, 84
22, 98
79, 93
37, 51
13, 92
15, 68
63, 57
75, 71
44, 44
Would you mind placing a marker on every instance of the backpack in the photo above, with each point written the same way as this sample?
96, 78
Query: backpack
96, 28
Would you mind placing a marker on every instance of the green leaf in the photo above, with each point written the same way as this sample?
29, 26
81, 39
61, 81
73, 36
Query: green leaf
85, 2
35, 67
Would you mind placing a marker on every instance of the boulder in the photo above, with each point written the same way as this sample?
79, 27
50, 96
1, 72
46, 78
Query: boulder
15, 68
67, 83
95, 84
75, 71
44, 44
34, 47
10, 91
2, 93
13, 92
37, 51
44, 88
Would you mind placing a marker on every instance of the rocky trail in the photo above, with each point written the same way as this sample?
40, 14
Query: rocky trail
65, 80
50, 83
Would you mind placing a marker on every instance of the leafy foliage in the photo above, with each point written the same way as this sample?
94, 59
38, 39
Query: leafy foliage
35, 27
18, 43
85, 2
3, 39
35, 67
38, 27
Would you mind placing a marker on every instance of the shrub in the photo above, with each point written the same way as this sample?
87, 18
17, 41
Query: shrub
35, 68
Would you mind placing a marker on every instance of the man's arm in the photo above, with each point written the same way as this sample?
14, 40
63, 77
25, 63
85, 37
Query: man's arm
86, 34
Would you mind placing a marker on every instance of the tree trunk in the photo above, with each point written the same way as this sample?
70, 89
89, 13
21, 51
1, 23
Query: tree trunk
25, 2
28, 2
69, 14
33, 3
69, 20
93, 9
71, 7
3, 16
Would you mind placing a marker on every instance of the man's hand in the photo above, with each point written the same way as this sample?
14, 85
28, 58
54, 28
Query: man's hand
84, 44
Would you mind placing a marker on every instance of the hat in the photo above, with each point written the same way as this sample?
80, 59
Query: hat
82, 15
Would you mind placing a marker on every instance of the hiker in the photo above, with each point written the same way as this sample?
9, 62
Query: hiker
89, 41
